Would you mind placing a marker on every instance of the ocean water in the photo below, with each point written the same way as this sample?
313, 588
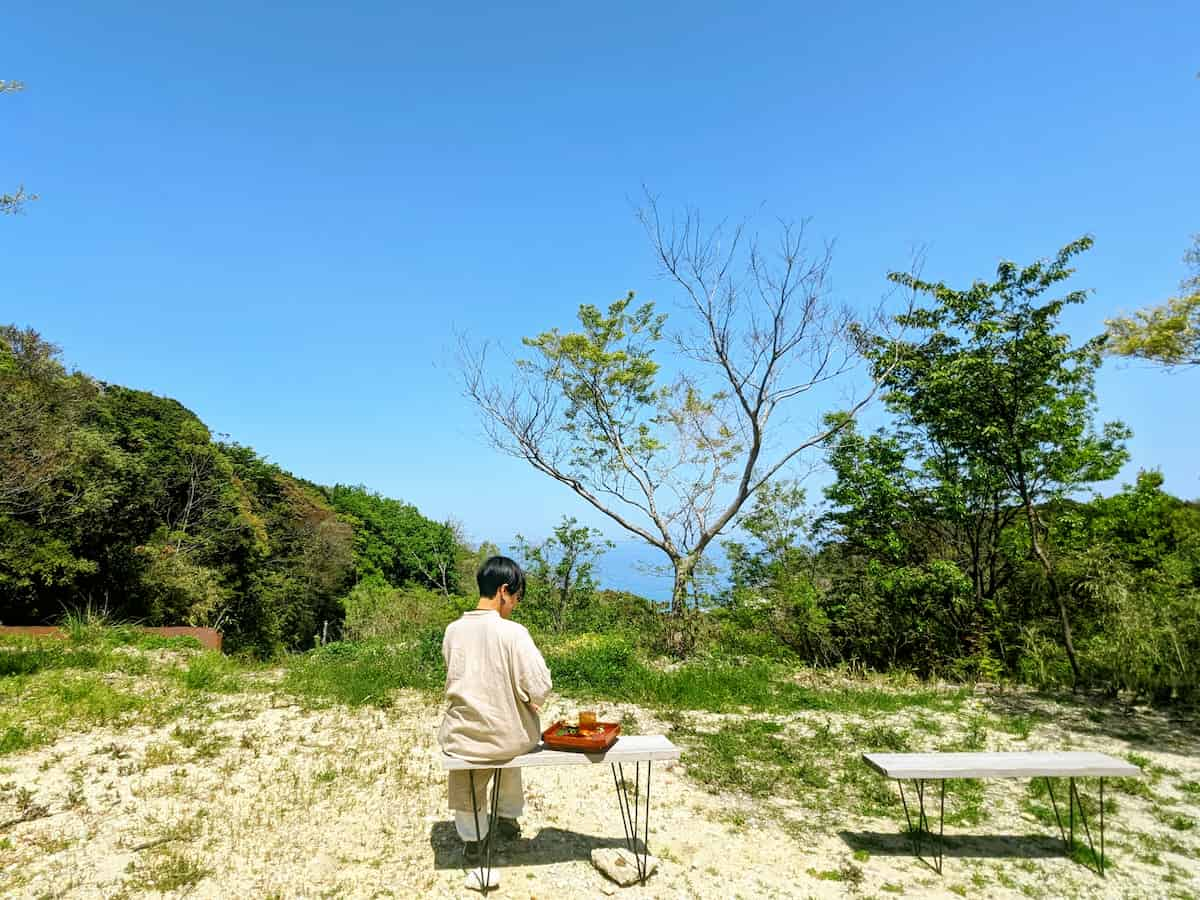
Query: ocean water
638, 568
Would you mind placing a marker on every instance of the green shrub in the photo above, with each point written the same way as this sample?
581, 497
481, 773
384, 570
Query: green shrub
366, 673
377, 611
210, 671
592, 664
1043, 662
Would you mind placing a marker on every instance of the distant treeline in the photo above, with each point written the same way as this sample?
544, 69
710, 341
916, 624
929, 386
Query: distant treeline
891, 579
121, 500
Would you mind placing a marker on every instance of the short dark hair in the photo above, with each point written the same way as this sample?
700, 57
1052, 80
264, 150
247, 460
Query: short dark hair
497, 571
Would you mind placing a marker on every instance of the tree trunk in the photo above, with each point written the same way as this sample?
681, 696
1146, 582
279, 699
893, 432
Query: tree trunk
684, 567
1055, 593
564, 596
679, 637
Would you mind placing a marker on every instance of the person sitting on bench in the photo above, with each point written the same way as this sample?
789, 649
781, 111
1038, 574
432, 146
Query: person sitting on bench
496, 683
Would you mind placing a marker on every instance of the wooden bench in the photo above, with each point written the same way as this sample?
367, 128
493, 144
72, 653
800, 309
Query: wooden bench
635, 749
922, 767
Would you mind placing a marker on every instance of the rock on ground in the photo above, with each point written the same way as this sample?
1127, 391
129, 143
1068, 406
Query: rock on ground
620, 865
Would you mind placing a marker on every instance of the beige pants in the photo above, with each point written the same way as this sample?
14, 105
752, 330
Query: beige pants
510, 803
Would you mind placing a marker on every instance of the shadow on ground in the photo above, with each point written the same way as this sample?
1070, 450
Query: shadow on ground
1174, 729
991, 846
548, 846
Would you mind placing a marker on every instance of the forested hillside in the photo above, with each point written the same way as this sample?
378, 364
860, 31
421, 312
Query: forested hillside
122, 501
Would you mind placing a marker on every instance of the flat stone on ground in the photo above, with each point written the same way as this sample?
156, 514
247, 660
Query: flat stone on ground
620, 865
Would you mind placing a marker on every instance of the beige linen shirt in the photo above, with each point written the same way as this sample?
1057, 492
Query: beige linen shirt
494, 676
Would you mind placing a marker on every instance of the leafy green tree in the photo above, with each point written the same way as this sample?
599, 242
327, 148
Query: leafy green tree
394, 541
774, 573
293, 559
1169, 333
58, 477
42, 409
900, 498
992, 382
1133, 561
167, 548
560, 569
672, 460
874, 495
469, 561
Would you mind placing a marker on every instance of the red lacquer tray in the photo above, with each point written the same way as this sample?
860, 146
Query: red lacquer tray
554, 739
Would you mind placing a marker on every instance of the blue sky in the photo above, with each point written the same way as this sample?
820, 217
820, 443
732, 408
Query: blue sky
279, 214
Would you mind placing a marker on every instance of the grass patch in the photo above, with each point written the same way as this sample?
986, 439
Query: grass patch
607, 667
764, 759
159, 754
34, 708
170, 871
52, 685
1018, 726
1037, 802
365, 674
212, 672
756, 758
15, 738
203, 744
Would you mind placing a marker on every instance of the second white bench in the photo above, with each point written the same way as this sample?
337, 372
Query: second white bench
923, 767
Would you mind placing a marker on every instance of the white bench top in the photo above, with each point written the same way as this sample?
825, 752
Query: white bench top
631, 748
1028, 764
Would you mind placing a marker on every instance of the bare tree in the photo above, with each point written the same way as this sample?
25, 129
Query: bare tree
14, 202
672, 461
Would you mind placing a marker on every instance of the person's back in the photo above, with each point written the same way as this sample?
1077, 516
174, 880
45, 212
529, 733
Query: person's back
496, 682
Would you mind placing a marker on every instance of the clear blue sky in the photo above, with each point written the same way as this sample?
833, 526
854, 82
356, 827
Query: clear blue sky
278, 214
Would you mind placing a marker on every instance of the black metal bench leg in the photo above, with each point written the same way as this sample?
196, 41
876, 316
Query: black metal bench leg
1101, 826
1068, 835
485, 871
917, 834
631, 814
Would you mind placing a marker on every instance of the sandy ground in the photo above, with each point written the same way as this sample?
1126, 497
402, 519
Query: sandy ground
264, 799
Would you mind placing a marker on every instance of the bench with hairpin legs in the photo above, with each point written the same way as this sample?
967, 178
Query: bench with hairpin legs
633, 749
921, 768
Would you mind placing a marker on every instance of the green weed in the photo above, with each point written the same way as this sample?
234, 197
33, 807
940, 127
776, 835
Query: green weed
212, 672
364, 674
171, 871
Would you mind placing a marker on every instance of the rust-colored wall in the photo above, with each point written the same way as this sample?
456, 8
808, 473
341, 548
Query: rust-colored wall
208, 637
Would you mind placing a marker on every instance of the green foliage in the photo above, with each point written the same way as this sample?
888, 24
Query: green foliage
908, 617
611, 667
995, 384
606, 373
212, 672
119, 498
1169, 333
366, 673
56, 474
1001, 400
1135, 566
560, 587
376, 610
393, 541
774, 602
596, 665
